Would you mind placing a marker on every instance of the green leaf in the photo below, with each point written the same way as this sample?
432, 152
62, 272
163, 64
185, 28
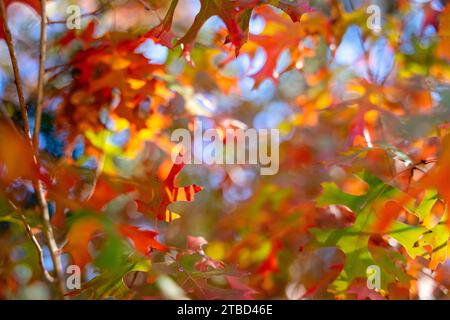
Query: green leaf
110, 283
377, 190
353, 241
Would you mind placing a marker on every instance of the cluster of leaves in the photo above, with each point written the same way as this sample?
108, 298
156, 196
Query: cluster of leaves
364, 160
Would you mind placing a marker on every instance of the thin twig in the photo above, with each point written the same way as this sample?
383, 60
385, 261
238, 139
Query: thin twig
167, 22
63, 65
84, 15
98, 172
48, 231
40, 86
18, 81
35, 241
38, 247
51, 242
146, 5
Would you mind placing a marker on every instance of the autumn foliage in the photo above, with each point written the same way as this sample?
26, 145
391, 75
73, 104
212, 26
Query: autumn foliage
87, 179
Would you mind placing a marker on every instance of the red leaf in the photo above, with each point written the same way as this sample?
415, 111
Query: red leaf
270, 264
196, 244
294, 8
362, 292
143, 240
235, 14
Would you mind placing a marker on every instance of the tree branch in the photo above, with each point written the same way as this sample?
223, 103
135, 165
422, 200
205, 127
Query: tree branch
50, 238
35, 241
38, 247
18, 81
40, 86
48, 231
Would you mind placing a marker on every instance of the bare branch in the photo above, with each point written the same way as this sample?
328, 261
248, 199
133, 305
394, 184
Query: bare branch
40, 86
48, 231
32, 237
35, 241
18, 81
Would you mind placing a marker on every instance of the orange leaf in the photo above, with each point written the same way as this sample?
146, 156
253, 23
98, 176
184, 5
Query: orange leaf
78, 238
16, 155
143, 240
